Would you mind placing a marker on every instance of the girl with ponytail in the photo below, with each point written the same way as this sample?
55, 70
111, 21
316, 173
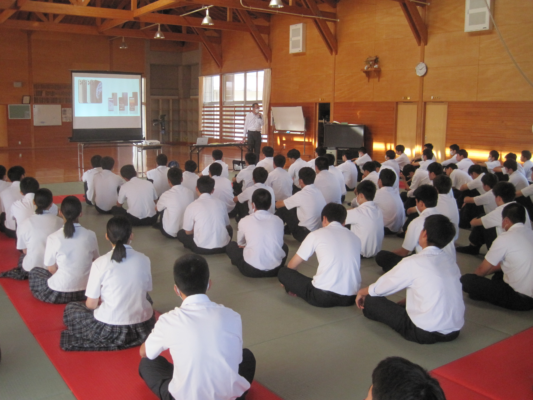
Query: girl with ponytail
118, 313
70, 252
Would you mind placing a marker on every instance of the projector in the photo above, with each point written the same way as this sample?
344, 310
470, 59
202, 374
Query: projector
151, 142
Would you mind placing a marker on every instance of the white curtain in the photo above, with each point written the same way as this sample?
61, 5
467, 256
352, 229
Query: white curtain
266, 103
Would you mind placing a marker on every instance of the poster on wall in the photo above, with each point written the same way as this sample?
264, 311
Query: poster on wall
66, 114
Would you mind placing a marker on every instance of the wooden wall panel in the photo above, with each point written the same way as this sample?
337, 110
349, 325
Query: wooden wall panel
13, 66
3, 126
19, 133
130, 60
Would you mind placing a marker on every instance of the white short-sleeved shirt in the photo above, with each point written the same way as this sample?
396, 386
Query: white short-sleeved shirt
363, 159
389, 202
32, 236
372, 177
421, 177
518, 180
267, 163
494, 219
527, 169
160, 179
73, 256
174, 202
7, 198
520, 169
309, 204
328, 185
487, 200
349, 172
225, 170
208, 218
340, 179
452, 160
224, 192
493, 164
3, 186
246, 176
88, 176
528, 191
412, 235
205, 342
459, 178
106, 185
402, 160
294, 169
448, 207
190, 180
339, 259
396, 185
262, 235
392, 164
434, 293
464, 164
514, 251
246, 196
424, 164
122, 287
281, 182
367, 224
476, 184
25, 208
140, 195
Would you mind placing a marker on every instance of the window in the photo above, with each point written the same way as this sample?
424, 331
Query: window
211, 107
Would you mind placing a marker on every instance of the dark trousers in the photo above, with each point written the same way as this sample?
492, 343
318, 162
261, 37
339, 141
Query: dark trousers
387, 260
2, 222
495, 291
119, 211
12, 234
291, 219
159, 225
480, 236
468, 213
85, 188
254, 143
408, 220
302, 286
241, 210
408, 202
235, 254
389, 232
237, 188
188, 242
388, 312
295, 189
102, 211
527, 203
157, 373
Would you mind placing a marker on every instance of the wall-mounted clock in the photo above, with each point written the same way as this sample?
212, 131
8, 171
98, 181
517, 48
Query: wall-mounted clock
421, 69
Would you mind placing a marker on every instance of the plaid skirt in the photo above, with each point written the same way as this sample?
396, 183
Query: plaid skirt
86, 333
41, 291
18, 272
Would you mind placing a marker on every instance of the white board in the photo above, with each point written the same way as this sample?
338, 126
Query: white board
46, 114
288, 119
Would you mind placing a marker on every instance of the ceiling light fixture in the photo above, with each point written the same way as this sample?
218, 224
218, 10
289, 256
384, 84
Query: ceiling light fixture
159, 34
207, 19
275, 4
273, 10
123, 45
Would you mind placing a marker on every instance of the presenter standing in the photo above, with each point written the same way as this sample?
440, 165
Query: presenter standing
252, 130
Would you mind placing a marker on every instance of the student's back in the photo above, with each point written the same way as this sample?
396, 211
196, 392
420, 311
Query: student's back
208, 218
159, 178
140, 195
106, 185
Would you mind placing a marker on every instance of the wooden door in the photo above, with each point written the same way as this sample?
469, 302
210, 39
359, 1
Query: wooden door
435, 128
3, 126
406, 128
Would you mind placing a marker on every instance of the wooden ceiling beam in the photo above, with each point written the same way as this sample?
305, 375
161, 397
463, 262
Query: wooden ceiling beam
209, 46
156, 6
263, 46
323, 28
59, 18
111, 23
6, 14
415, 21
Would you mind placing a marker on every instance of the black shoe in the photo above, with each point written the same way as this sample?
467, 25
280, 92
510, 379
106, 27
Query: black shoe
472, 250
401, 235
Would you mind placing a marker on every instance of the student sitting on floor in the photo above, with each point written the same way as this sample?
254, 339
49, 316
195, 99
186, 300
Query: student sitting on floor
510, 260
525, 197
453, 155
493, 161
366, 221
434, 309
32, 236
68, 257
459, 178
326, 182
475, 186
297, 164
88, 177
402, 158
370, 174
363, 157
349, 170
390, 161
338, 251
267, 162
398, 378
518, 179
244, 179
158, 176
190, 178
106, 187
338, 175
446, 205
8, 197
217, 157
243, 202
525, 157
117, 314
389, 202
301, 211
319, 152
500, 170
426, 197
206, 228
259, 251
463, 162
4, 184
172, 204
476, 207
141, 198
223, 189
205, 342
279, 179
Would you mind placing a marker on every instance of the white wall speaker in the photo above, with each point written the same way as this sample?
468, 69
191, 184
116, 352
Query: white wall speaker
477, 15
297, 39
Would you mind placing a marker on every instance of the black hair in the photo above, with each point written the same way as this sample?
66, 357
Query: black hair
367, 189
262, 199
43, 199
440, 230
505, 190
255, 104
387, 176
463, 153
369, 166
96, 161
407, 169
128, 171
435, 168
511, 164
362, 150
489, 179
334, 213
15, 173
250, 158
217, 154
321, 151
396, 378
526, 154
307, 175
191, 274
215, 169
268, 151
427, 194
71, 210
428, 153
279, 160
516, 213
348, 154
259, 175
477, 169
510, 156
190, 166
331, 159
377, 165
455, 147
443, 184
205, 184
400, 147
161, 159
107, 163
119, 232
452, 166
29, 185
322, 163
391, 154
175, 176
293, 153
494, 154
2, 172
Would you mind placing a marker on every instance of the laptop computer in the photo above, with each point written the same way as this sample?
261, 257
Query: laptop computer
202, 140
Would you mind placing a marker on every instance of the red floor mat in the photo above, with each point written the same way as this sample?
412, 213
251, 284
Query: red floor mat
59, 199
455, 391
90, 375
